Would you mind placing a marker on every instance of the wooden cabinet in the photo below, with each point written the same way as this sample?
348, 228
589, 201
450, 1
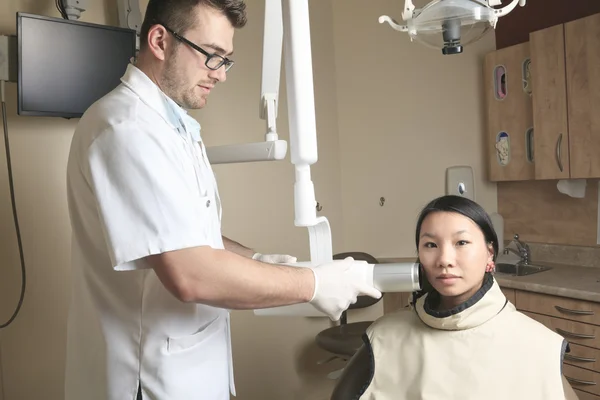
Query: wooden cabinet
564, 76
565, 69
510, 295
393, 302
509, 114
551, 140
577, 321
582, 45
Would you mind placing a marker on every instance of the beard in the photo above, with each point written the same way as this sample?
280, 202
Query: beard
175, 85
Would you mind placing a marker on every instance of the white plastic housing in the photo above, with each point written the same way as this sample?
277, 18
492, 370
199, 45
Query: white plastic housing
74, 8
301, 106
130, 15
247, 152
271, 61
299, 80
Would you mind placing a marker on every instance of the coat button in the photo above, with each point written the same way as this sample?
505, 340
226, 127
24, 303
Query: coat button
207, 203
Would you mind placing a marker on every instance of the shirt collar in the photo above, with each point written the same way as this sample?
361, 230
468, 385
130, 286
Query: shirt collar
149, 93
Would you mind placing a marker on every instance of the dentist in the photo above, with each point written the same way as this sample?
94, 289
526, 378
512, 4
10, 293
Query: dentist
153, 277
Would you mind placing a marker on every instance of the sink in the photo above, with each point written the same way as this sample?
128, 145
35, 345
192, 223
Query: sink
520, 269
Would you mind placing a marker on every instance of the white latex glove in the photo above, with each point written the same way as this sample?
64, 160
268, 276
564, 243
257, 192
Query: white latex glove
274, 258
338, 284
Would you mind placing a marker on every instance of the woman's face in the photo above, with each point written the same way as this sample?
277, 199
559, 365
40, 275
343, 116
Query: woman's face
454, 254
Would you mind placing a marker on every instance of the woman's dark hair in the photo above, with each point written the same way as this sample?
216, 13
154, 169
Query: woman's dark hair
466, 207
463, 206
179, 15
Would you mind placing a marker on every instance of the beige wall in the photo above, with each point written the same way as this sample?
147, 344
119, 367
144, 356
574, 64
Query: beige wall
406, 113
366, 151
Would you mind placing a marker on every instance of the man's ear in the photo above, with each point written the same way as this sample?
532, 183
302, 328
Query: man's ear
158, 41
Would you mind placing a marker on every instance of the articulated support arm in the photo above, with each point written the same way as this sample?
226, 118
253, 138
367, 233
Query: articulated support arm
303, 147
272, 149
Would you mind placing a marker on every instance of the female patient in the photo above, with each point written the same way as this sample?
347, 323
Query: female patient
461, 339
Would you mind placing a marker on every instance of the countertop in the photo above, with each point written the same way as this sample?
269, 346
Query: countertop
582, 283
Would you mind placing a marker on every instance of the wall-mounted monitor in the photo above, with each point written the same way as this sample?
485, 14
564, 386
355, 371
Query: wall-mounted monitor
64, 66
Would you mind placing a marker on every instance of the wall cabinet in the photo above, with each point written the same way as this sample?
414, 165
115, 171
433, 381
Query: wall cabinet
550, 103
547, 104
582, 54
509, 114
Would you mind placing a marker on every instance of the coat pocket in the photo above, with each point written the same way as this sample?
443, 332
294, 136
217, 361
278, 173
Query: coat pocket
181, 343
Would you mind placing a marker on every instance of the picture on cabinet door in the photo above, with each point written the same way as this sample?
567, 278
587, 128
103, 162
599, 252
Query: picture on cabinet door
500, 86
503, 148
527, 88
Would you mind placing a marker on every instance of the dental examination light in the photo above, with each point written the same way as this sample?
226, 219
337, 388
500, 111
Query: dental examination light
450, 24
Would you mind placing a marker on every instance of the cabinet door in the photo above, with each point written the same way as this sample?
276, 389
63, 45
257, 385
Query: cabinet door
551, 141
509, 115
585, 396
510, 295
582, 46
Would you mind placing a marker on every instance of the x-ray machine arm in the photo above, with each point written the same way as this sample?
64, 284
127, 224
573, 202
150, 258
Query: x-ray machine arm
294, 16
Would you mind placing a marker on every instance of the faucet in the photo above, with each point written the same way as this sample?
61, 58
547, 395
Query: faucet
522, 250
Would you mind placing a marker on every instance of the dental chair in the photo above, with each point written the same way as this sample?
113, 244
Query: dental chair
344, 340
354, 377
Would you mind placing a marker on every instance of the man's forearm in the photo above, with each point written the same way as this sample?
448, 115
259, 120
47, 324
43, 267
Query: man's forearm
224, 279
237, 248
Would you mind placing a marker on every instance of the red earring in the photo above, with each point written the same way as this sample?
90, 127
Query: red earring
490, 267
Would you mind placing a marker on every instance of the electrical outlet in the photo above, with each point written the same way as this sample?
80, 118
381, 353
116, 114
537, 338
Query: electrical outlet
8, 58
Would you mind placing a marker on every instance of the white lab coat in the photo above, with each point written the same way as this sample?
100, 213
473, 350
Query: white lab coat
139, 183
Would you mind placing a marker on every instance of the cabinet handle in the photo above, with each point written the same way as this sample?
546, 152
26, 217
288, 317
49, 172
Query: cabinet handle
578, 312
558, 157
575, 335
580, 359
580, 382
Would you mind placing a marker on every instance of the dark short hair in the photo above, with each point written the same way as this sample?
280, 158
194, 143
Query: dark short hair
179, 15
466, 207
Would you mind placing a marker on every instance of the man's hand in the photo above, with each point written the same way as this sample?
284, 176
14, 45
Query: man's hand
338, 284
274, 258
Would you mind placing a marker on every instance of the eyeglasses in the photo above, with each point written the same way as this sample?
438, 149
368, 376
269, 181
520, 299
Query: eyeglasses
213, 61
